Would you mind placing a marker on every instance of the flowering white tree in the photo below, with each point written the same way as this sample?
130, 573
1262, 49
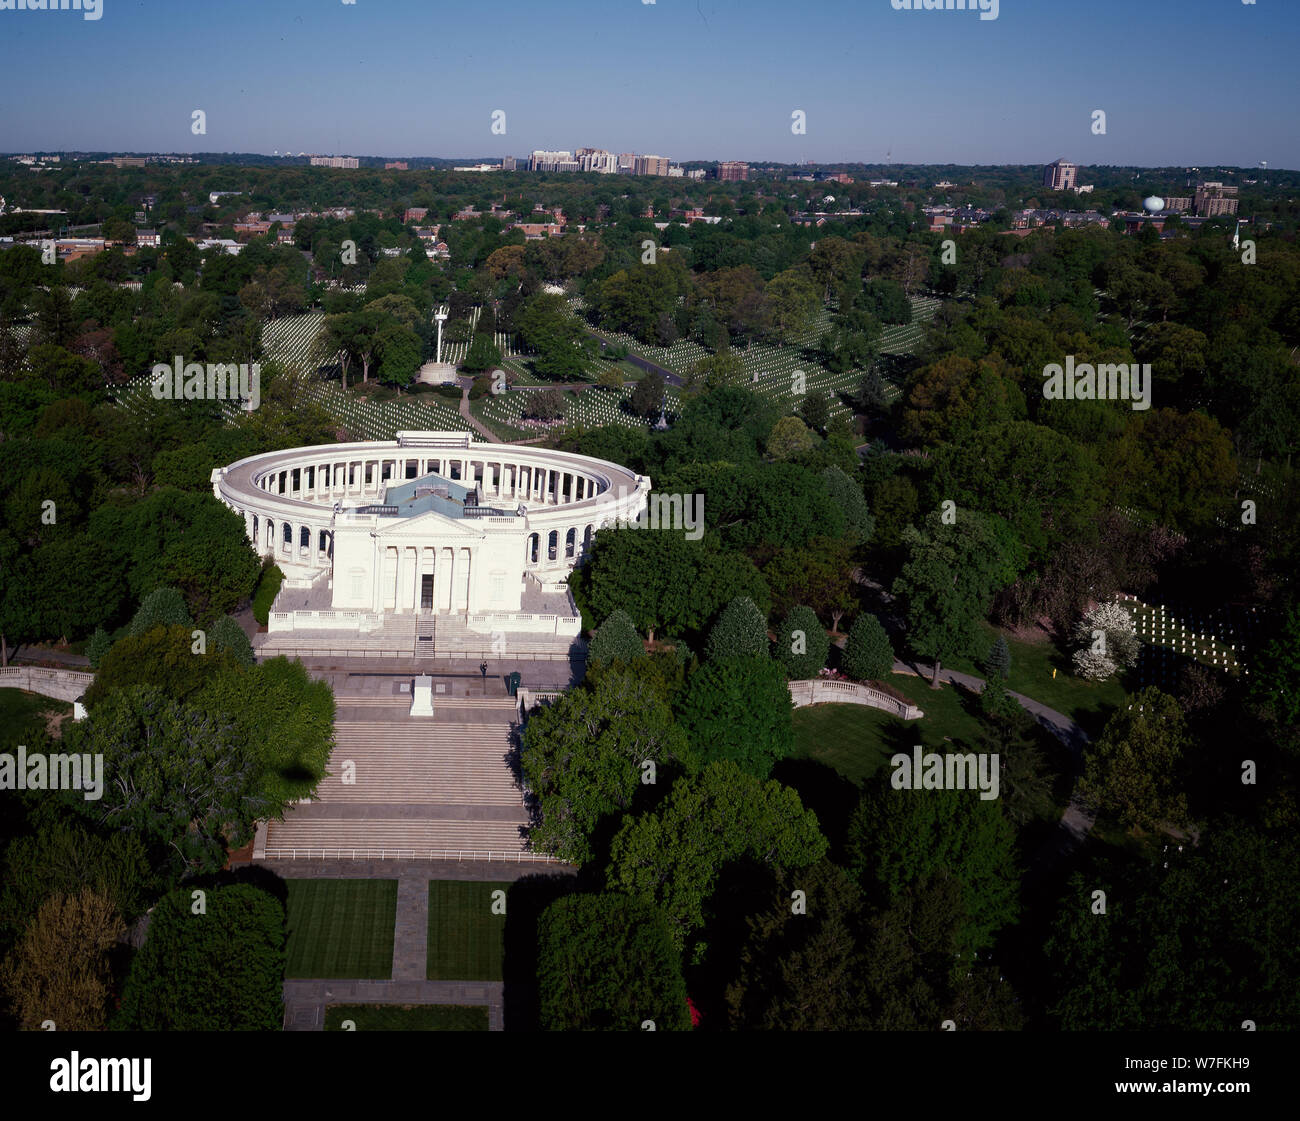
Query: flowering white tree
1106, 640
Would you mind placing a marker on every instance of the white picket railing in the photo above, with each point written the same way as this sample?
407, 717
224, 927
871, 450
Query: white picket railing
409, 854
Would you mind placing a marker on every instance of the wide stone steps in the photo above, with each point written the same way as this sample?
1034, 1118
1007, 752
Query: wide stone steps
441, 702
443, 764
431, 839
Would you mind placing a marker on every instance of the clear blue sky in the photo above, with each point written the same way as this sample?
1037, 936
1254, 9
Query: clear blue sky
1183, 82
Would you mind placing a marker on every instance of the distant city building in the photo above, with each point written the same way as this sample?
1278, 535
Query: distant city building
215, 197
1181, 204
1084, 189
944, 186
509, 163
882, 182
733, 171
397, 165
479, 167
1061, 175
598, 160
128, 161
652, 165
626, 162
148, 239
1214, 199
348, 162
696, 173
414, 214
550, 161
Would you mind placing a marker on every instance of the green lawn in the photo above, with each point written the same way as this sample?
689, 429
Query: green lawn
1087, 703
407, 1017
857, 741
464, 934
341, 928
22, 714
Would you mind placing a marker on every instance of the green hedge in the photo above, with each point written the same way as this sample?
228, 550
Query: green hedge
268, 587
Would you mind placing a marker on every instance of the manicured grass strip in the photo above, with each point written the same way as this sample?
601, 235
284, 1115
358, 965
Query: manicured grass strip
407, 1017
341, 928
464, 934
857, 741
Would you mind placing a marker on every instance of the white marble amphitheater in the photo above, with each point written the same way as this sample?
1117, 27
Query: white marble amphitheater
430, 544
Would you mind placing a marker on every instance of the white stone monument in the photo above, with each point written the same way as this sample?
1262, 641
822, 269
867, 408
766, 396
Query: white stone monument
422, 696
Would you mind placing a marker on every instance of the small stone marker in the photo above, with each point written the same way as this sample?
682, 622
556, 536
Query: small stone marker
422, 698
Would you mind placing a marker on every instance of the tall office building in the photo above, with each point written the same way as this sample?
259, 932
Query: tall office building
733, 171
1061, 176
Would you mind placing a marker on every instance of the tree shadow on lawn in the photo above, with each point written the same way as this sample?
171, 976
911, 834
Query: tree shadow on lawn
826, 792
526, 899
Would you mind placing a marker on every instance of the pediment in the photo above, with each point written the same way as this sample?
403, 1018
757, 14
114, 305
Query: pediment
428, 524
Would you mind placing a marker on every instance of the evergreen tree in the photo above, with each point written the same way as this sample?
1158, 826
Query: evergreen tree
997, 663
858, 523
615, 640
97, 647
868, 655
803, 644
226, 634
740, 632
871, 398
163, 607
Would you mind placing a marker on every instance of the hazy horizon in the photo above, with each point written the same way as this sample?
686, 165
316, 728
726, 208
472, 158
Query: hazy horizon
1196, 83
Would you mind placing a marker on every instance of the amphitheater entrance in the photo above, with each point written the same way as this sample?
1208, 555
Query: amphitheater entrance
426, 592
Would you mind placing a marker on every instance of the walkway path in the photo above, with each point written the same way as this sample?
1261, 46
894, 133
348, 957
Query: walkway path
305, 1001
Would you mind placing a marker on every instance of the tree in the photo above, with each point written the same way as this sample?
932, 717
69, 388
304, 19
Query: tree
868, 655
662, 580
1199, 939
98, 647
608, 962
997, 663
216, 969
163, 607
1106, 640
615, 640
584, 757
192, 542
647, 395
820, 574
900, 838
59, 971
790, 438
802, 644
182, 780
872, 397
547, 404
1275, 680
792, 301
948, 582
804, 972
162, 656
1133, 771
483, 354
815, 410
740, 632
739, 709
226, 634
673, 856
858, 523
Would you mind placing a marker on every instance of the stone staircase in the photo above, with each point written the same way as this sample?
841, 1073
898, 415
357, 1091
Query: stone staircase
438, 787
